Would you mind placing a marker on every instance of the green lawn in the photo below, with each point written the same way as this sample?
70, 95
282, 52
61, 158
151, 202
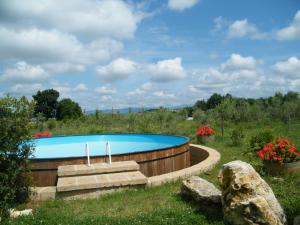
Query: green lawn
164, 204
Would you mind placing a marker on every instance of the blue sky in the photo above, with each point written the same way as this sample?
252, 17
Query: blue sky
121, 54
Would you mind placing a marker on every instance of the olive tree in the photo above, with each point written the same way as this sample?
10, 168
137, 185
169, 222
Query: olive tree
15, 149
225, 111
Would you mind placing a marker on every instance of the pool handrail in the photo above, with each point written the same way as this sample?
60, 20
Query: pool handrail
108, 151
87, 152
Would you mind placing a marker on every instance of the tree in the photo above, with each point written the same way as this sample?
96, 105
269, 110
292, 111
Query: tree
15, 149
291, 96
225, 110
46, 103
201, 104
68, 109
213, 101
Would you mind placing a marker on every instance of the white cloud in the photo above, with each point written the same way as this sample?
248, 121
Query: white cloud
44, 46
80, 88
291, 32
146, 87
88, 18
63, 67
219, 23
238, 62
105, 90
23, 72
118, 69
26, 89
68, 36
291, 67
242, 28
167, 70
162, 94
180, 5
234, 76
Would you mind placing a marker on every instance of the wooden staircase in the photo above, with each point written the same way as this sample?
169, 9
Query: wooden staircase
82, 181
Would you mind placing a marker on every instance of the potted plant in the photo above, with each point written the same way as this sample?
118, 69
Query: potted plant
280, 157
205, 134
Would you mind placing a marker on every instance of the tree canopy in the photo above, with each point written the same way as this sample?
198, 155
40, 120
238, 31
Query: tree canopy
46, 102
68, 109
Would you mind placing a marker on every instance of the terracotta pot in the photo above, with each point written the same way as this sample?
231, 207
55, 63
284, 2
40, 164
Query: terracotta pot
282, 169
205, 139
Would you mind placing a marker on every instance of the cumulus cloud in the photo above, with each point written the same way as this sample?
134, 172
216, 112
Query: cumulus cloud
65, 37
235, 75
23, 72
243, 28
180, 5
44, 46
81, 88
88, 18
118, 69
291, 32
238, 62
26, 89
291, 67
146, 87
167, 70
105, 90
163, 94
219, 23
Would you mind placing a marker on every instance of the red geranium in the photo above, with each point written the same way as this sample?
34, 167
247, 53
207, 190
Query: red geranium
281, 151
205, 130
42, 134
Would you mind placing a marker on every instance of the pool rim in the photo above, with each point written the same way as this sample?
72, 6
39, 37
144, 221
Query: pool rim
187, 141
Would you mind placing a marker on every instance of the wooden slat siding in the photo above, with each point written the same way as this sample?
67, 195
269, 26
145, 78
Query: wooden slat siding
196, 156
152, 163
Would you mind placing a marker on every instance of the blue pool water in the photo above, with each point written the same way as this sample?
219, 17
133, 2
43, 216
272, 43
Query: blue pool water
74, 146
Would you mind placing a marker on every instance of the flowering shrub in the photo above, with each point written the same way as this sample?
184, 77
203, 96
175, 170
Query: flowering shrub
280, 151
42, 134
205, 131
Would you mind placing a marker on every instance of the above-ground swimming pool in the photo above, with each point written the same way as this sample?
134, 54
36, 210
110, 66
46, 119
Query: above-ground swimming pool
74, 146
156, 154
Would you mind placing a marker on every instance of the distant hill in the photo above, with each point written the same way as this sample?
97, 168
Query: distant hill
135, 109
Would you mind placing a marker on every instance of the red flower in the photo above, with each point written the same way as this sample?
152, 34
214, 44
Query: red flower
279, 150
205, 130
261, 154
42, 134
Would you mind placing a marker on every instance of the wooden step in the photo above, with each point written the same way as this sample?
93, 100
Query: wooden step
100, 181
97, 168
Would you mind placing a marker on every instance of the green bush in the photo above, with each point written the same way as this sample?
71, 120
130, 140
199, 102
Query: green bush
259, 140
15, 149
51, 123
237, 137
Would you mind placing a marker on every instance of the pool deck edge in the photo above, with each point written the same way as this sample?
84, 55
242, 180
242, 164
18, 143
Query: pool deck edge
203, 166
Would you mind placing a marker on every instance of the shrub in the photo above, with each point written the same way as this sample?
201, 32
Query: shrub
259, 140
15, 149
51, 123
237, 137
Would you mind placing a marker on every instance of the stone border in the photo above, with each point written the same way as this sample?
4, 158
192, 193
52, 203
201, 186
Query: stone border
203, 166
45, 193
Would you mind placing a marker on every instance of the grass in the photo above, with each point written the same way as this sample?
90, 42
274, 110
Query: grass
164, 204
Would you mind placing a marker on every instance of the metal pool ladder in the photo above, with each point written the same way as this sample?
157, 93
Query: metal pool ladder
87, 152
107, 151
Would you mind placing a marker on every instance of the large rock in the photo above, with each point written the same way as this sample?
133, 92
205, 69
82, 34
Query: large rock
297, 220
15, 213
204, 193
247, 198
